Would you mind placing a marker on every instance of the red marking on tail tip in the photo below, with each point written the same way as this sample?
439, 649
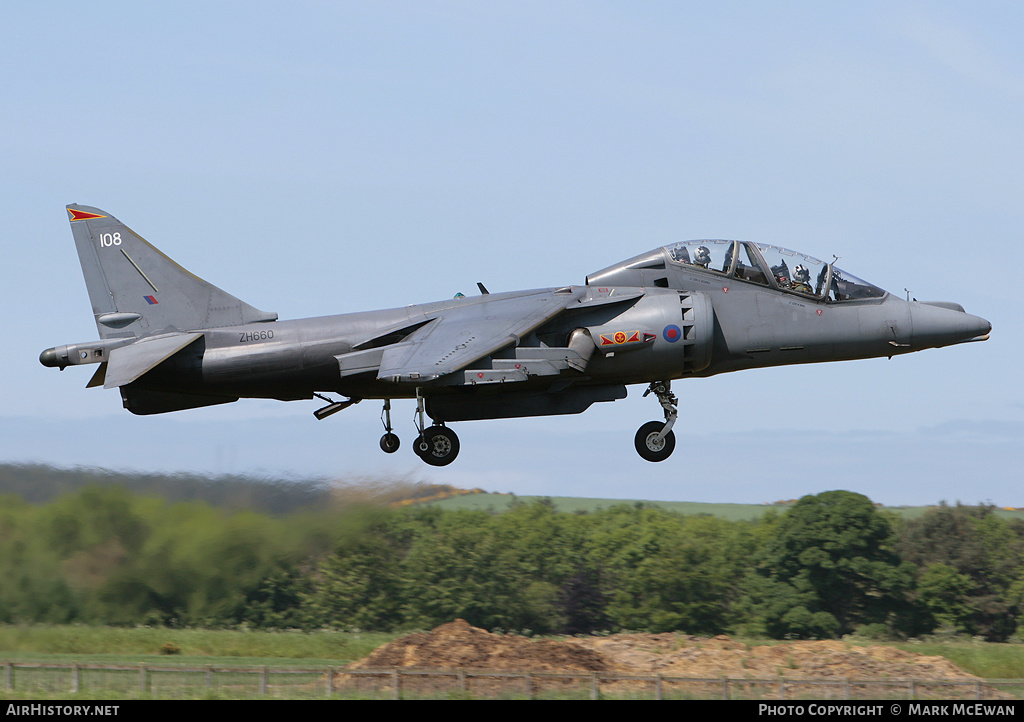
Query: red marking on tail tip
83, 215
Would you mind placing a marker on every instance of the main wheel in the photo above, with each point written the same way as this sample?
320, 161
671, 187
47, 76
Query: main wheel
649, 446
389, 443
438, 446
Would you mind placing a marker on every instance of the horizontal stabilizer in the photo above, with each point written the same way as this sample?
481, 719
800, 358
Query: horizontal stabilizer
128, 363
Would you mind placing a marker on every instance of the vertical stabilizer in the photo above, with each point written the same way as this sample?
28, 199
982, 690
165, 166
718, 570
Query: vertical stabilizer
136, 290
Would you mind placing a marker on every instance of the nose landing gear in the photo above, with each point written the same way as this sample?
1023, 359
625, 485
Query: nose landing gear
654, 440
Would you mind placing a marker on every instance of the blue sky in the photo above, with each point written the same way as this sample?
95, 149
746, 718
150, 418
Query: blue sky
323, 157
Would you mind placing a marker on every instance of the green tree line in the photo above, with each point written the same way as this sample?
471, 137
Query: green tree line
830, 565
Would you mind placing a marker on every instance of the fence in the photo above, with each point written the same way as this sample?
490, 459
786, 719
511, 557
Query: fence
144, 681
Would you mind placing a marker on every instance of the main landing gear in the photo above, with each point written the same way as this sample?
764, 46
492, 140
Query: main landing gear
654, 440
437, 445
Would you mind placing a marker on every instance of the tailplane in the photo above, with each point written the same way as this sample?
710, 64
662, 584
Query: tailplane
136, 290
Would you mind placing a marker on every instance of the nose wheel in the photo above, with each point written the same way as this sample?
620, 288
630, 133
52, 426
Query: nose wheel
652, 444
654, 440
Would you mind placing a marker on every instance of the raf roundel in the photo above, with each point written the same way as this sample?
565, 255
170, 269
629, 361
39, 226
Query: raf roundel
672, 333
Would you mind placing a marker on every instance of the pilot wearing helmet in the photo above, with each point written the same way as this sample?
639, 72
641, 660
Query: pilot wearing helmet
802, 279
702, 257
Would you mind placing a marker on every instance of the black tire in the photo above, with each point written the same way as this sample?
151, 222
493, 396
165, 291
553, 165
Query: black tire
648, 447
441, 446
389, 443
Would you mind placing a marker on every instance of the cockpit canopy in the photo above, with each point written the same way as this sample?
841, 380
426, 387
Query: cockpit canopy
758, 263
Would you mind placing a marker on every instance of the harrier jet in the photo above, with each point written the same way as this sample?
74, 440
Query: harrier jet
171, 341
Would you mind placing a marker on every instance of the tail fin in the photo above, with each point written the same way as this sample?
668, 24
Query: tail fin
136, 290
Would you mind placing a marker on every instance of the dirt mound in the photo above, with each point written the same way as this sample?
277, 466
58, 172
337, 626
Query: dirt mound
679, 655
458, 645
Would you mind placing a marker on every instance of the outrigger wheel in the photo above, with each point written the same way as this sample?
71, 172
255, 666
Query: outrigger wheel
437, 445
390, 442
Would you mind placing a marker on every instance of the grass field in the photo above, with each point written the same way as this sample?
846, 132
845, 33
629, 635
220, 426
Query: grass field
982, 659
116, 645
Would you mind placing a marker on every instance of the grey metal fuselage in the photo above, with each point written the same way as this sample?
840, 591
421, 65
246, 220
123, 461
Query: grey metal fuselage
736, 325
171, 341
292, 359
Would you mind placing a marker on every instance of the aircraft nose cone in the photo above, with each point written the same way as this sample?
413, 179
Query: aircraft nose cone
48, 357
977, 327
945, 325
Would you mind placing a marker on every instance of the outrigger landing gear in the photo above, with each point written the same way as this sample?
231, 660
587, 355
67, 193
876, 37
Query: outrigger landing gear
437, 445
654, 440
390, 442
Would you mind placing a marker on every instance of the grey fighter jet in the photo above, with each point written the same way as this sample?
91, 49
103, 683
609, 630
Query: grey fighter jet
171, 341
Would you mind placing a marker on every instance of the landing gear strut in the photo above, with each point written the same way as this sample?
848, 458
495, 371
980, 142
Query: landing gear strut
390, 442
437, 445
654, 440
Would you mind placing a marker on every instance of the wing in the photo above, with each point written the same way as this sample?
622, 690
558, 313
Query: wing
457, 336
